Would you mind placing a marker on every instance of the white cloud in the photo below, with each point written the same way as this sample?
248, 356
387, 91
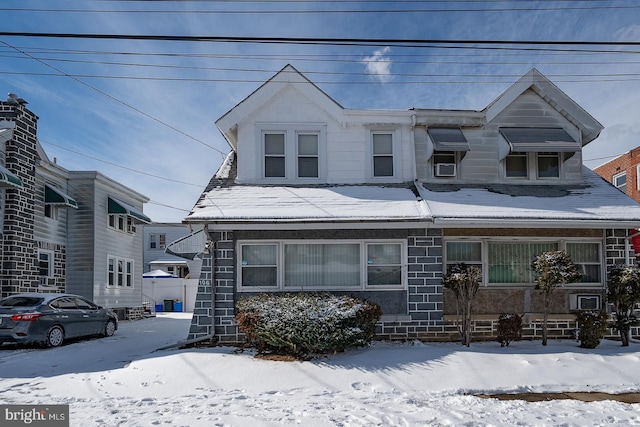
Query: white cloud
378, 65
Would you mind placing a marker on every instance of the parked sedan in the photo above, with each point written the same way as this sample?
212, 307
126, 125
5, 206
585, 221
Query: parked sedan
49, 319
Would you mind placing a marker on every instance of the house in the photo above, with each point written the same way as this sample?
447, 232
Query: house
65, 231
620, 171
180, 282
377, 203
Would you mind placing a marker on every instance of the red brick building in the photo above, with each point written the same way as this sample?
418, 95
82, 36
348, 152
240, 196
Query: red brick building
623, 173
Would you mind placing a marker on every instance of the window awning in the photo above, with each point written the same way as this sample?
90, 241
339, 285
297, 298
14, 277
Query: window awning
121, 208
54, 196
530, 140
8, 179
448, 139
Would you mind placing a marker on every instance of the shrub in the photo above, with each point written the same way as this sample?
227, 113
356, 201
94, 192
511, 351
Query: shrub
509, 328
464, 281
592, 325
301, 324
623, 291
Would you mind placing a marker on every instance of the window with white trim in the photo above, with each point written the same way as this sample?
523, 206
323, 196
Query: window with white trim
546, 165
292, 151
45, 263
157, 240
119, 272
382, 149
122, 223
620, 181
308, 155
508, 262
296, 265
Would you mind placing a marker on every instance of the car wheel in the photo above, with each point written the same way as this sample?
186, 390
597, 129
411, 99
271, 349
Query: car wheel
110, 328
55, 336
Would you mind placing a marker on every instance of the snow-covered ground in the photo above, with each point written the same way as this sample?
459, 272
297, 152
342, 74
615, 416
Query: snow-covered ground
123, 381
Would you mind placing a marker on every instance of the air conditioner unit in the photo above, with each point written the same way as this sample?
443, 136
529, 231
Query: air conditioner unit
584, 302
445, 169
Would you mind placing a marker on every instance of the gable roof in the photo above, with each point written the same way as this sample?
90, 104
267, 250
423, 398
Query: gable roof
227, 124
556, 98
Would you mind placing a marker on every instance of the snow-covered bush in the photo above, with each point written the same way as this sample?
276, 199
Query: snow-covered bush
592, 325
509, 328
305, 323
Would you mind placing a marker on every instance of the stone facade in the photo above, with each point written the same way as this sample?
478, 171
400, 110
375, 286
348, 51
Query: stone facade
19, 272
427, 301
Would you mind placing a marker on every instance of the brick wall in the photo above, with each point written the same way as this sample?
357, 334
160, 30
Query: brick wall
627, 162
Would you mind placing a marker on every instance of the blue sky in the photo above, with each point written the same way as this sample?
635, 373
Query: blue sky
143, 112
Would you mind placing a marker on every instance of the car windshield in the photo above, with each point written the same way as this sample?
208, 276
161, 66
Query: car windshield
19, 301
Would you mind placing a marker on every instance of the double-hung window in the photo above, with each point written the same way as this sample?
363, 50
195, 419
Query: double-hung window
302, 265
548, 165
382, 154
157, 241
274, 155
517, 165
586, 255
119, 271
620, 181
308, 155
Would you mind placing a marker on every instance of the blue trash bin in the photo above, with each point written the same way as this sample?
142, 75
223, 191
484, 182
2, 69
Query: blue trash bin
158, 308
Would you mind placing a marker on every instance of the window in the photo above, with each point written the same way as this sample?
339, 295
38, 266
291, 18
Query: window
620, 181
307, 155
259, 265
50, 211
157, 241
384, 264
548, 165
516, 165
122, 223
45, 264
587, 257
382, 154
444, 163
509, 262
274, 155
295, 265
119, 272
321, 265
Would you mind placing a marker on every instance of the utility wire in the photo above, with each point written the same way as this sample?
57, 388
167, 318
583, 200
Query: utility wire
113, 98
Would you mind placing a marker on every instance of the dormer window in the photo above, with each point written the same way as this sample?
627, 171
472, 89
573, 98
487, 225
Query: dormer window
535, 153
293, 152
448, 147
382, 154
274, 155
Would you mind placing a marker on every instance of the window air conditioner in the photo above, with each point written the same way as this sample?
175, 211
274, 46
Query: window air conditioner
446, 169
584, 302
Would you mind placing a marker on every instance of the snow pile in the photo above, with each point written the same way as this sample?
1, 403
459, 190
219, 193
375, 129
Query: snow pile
122, 381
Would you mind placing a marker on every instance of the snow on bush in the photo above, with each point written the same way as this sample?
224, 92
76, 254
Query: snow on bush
592, 325
304, 323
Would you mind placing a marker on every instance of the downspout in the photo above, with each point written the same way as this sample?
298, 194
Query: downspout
412, 139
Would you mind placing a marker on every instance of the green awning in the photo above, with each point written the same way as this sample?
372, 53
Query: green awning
8, 179
54, 196
118, 207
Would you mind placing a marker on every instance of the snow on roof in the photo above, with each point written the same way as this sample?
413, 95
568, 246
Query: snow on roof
596, 200
279, 203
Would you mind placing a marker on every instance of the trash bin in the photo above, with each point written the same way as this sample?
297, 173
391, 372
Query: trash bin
168, 305
177, 306
158, 308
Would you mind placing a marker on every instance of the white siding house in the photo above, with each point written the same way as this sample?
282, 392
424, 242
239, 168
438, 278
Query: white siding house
318, 197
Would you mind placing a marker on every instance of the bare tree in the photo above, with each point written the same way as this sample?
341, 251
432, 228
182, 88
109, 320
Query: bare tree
554, 268
464, 281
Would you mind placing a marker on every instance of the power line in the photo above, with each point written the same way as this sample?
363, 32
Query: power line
113, 98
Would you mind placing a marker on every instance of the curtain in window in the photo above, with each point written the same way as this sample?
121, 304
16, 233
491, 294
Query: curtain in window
321, 265
587, 257
511, 262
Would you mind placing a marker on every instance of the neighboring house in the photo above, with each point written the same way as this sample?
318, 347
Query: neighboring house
377, 203
65, 231
182, 287
623, 173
